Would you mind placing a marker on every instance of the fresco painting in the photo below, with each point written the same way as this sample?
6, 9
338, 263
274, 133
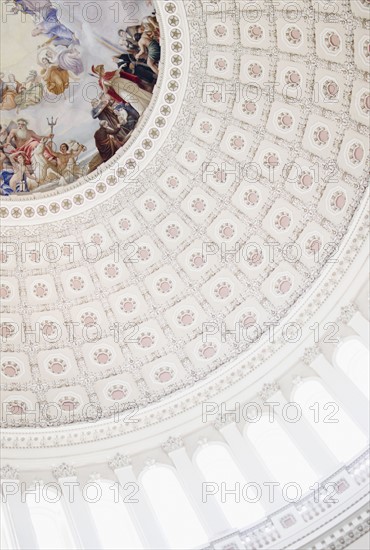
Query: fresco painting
73, 86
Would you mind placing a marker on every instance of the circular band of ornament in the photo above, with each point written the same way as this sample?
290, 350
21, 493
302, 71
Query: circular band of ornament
131, 159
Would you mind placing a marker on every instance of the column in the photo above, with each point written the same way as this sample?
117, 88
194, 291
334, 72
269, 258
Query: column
251, 464
210, 513
361, 326
352, 399
312, 447
352, 324
344, 328
78, 512
22, 530
362, 301
142, 513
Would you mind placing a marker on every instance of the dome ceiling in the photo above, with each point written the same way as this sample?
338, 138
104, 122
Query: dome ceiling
218, 215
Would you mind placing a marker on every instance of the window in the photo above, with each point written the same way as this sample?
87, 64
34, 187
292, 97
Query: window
218, 466
353, 358
49, 518
172, 507
280, 454
113, 522
5, 537
328, 418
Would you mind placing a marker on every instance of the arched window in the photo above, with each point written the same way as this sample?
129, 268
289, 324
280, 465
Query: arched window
329, 419
113, 522
5, 537
353, 358
218, 467
49, 518
172, 507
280, 454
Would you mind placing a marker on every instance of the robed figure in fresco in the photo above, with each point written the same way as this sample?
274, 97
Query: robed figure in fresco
31, 92
121, 89
9, 92
102, 109
55, 78
146, 78
23, 140
57, 33
106, 141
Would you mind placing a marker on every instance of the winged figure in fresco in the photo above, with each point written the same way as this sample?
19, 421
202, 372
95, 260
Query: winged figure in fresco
57, 33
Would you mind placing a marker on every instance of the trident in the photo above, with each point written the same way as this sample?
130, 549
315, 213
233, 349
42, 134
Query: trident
52, 123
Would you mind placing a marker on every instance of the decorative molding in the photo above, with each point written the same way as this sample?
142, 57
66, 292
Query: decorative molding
347, 312
297, 519
297, 380
172, 444
119, 461
64, 470
346, 536
268, 390
310, 354
95, 476
150, 462
8, 473
223, 419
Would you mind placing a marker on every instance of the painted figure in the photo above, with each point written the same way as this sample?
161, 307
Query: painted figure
129, 66
70, 60
57, 33
149, 48
150, 24
55, 78
122, 90
130, 115
66, 161
44, 164
2, 86
102, 110
10, 91
16, 178
31, 92
106, 142
24, 140
33, 7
